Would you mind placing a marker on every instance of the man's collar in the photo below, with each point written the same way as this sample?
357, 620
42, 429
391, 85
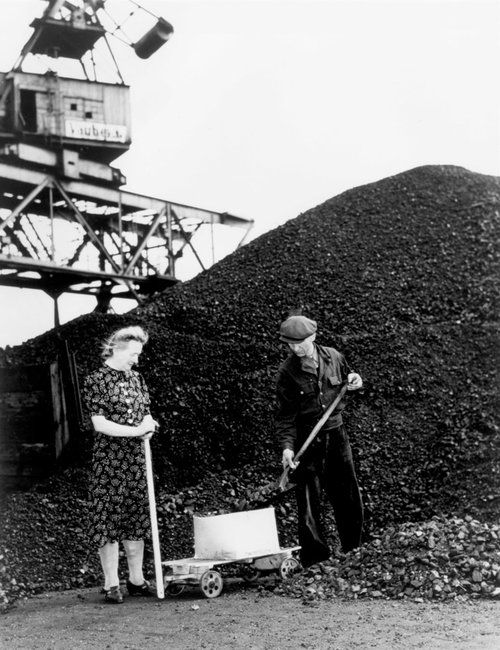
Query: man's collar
309, 364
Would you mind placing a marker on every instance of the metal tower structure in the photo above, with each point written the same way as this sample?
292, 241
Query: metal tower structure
66, 223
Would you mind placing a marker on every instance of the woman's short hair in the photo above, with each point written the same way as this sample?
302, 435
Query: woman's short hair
123, 335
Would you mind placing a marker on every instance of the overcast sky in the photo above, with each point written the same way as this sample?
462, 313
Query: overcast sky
265, 108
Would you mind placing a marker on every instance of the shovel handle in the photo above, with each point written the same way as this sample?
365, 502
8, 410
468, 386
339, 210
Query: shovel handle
284, 477
160, 592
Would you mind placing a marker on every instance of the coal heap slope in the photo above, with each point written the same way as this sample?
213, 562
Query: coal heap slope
418, 247
402, 276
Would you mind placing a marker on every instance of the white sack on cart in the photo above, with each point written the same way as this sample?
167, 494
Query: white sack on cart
236, 535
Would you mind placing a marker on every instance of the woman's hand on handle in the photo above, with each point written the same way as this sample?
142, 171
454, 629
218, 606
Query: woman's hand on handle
147, 427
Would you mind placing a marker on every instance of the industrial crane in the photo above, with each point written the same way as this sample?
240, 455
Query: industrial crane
59, 135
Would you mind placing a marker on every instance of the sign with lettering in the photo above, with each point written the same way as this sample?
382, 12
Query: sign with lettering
95, 131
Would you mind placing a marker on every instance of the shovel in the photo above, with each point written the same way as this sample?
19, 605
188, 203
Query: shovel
160, 592
276, 490
285, 484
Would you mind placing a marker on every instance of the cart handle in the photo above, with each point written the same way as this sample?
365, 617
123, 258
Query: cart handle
160, 592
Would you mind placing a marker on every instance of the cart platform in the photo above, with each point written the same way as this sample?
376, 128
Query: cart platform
246, 539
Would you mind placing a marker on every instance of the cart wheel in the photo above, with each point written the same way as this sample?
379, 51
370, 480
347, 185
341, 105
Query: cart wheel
250, 574
175, 589
211, 583
288, 567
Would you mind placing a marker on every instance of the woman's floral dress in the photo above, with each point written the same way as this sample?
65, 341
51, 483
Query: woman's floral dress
118, 489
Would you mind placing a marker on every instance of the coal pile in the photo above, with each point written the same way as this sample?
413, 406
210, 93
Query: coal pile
439, 559
402, 276
44, 546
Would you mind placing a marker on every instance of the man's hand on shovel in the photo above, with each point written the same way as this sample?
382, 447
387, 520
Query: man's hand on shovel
288, 462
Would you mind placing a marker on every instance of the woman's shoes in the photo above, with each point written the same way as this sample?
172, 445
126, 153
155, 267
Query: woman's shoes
140, 590
113, 595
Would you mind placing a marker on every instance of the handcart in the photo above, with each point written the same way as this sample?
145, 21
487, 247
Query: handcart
249, 540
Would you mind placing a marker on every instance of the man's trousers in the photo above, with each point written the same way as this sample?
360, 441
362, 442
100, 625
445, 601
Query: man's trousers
327, 467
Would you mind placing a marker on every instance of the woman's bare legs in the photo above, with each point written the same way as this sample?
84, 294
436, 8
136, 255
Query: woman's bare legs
135, 556
109, 562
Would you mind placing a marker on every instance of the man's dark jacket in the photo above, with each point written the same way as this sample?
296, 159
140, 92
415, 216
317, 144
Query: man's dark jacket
303, 395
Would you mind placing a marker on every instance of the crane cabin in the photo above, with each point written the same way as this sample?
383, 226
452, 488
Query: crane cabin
79, 125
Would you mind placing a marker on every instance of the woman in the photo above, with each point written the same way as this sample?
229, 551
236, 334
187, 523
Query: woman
118, 403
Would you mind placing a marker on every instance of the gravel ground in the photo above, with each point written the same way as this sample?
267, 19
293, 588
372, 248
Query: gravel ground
243, 618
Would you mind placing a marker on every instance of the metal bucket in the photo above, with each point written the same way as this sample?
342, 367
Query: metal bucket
154, 39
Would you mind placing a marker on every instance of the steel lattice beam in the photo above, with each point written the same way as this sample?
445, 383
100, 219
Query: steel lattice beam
137, 226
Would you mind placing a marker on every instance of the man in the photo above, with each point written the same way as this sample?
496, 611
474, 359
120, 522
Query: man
307, 383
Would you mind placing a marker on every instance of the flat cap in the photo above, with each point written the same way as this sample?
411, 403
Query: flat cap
297, 328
